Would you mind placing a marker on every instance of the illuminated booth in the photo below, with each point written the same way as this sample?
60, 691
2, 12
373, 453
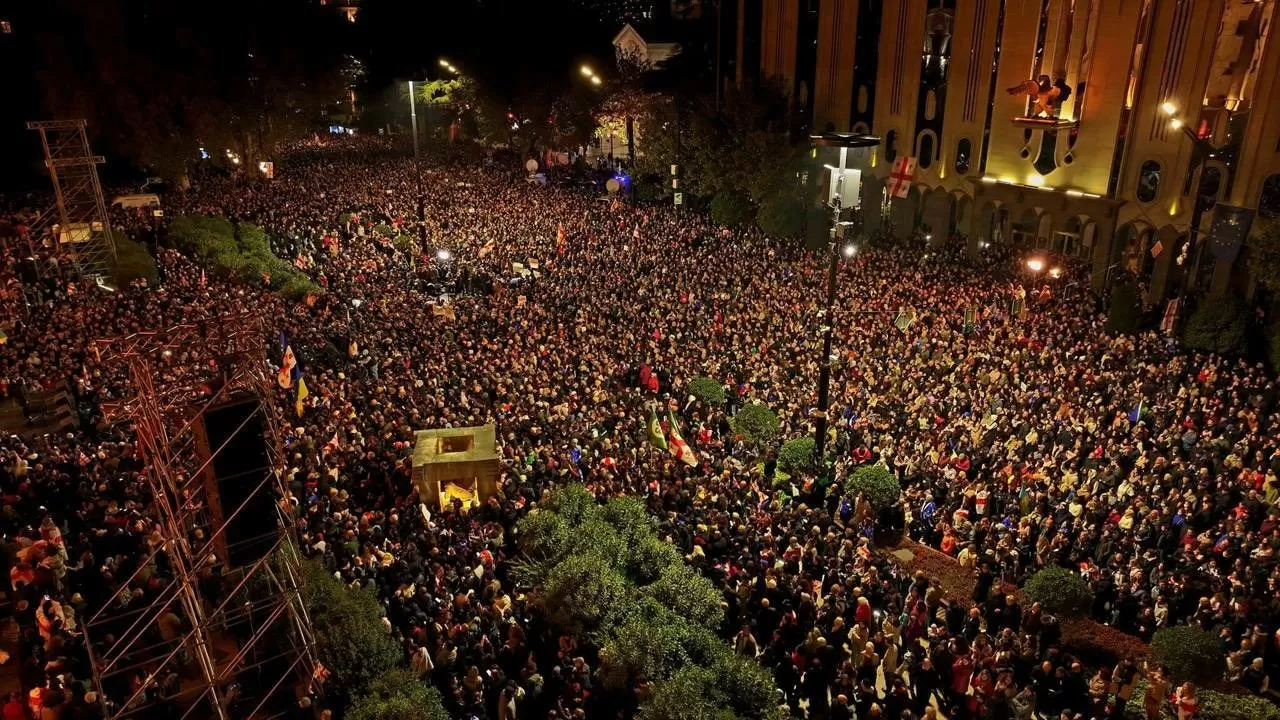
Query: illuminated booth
456, 464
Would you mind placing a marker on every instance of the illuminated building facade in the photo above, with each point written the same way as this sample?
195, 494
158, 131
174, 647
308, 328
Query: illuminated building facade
1058, 124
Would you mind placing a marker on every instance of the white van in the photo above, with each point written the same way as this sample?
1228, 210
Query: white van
143, 200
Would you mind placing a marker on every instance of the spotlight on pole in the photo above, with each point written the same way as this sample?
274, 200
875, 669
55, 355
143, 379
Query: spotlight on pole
1035, 265
849, 251
586, 71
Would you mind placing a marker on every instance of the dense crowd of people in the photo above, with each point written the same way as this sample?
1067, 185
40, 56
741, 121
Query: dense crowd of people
1024, 435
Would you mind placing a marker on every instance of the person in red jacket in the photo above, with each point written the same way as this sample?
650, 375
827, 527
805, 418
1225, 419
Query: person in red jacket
15, 708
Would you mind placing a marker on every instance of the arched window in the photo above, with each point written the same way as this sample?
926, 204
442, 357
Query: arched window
890, 145
964, 149
1269, 200
925, 153
1148, 182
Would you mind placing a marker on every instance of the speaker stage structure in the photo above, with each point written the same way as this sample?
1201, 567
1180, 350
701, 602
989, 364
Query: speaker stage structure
221, 630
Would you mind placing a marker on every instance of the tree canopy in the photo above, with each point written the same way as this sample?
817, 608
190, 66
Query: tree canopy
157, 82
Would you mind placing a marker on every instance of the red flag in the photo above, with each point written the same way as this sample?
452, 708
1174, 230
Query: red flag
676, 443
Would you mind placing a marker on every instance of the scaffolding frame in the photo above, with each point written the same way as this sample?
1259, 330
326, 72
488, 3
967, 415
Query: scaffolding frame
206, 364
83, 229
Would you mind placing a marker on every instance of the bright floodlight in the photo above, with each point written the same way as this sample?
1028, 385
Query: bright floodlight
848, 250
1055, 272
586, 71
1168, 108
453, 69
443, 255
444, 63
1035, 264
1176, 124
595, 79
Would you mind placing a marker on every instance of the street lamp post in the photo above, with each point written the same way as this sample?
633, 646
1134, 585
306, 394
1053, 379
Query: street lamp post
417, 167
843, 141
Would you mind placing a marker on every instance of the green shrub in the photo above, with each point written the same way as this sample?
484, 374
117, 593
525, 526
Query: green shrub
132, 262
649, 557
876, 482
383, 230
688, 594
351, 639
1214, 705
648, 645
1122, 316
1190, 653
543, 535
1060, 591
398, 694
732, 688
603, 574
405, 243
1217, 326
252, 239
732, 208
796, 456
297, 288
781, 216
708, 391
573, 502
756, 423
1223, 706
580, 592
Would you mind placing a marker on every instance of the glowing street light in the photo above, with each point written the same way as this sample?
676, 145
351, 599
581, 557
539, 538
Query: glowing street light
1168, 108
1055, 273
1035, 265
1176, 124
595, 80
443, 255
444, 63
586, 71
849, 251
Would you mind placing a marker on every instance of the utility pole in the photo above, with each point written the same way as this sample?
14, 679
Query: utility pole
417, 169
676, 194
843, 142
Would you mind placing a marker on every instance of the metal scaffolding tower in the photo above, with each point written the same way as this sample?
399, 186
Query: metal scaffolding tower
243, 645
80, 228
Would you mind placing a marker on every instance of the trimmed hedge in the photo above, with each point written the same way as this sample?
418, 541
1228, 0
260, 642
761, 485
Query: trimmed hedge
708, 391
1190, 653
796, 456
1217, 326
1214, 705
1060, 591
876, 482
756, 423
132, 261
240, 252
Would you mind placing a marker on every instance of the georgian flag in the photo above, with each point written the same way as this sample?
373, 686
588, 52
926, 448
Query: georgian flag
675, 442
